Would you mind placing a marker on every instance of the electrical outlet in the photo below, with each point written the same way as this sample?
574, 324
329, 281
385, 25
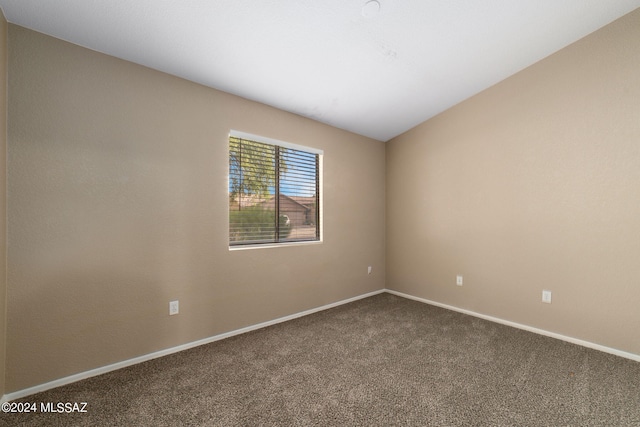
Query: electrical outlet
174, 307
459, 280
369, 270
546, 297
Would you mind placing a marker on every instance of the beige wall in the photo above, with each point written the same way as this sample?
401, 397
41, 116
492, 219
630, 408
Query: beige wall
533, 184
118, 204
3, 196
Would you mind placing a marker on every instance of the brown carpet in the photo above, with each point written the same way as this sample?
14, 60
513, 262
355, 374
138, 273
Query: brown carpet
379, 361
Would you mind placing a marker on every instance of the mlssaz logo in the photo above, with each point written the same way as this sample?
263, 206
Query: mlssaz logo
63, 407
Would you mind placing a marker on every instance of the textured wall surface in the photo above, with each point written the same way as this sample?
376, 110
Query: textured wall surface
533, 184
118, 204
3, 196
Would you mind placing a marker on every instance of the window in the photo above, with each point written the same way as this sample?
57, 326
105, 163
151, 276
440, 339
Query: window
274, 191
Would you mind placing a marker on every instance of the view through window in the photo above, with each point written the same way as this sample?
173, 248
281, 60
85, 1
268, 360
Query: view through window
273, 191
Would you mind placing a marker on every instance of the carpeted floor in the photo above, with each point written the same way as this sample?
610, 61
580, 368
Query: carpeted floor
379, 361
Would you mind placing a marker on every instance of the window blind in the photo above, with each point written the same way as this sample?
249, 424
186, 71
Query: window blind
273, 193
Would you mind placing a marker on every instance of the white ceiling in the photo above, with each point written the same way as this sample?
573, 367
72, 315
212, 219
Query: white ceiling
374, 72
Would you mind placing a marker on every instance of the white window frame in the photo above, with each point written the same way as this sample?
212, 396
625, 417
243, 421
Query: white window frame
285, 144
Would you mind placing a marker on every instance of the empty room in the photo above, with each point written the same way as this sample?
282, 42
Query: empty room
341, 212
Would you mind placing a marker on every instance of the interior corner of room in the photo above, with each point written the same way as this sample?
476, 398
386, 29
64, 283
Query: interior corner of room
115, 198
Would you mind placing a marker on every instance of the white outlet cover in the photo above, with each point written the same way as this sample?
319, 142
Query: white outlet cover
546, 297
369, 270
174, 307
459, 280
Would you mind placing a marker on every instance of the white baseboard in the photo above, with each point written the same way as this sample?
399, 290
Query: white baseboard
577, 341
113, 367
103, 370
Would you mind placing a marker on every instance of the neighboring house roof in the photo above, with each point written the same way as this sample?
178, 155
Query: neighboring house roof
247, 200
303, 200
288, 198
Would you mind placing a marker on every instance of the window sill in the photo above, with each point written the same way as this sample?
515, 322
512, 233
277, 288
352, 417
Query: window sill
273, 245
